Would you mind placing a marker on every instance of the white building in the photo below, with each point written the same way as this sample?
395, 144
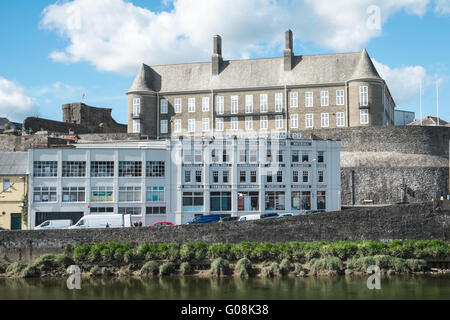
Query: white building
175, 180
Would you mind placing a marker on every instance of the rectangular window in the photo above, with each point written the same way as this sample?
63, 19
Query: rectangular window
101, 210
234, 104
269, 176
301, 200
220, 201
324, 120
205, 104
248, 103
219, 124
198, 176
187, 176
324, 98
275, 200
164, 126
130, 168
295, 176
155, 194
242, 155
263, 123
278, 122
248, 123
191, 104
309, 99
321, 200
177, 126
305, 156
248, 201
205, 124
136, 107
164, 106
363, 95
191, 125
6, 184
178, 105
280, 155
364, 116
187, 156
129, 194
320, 176
234, 123
309, 120
74, 168
305, 176
102, 194
320, 156
340, 119
295, 156
294, 120
214, 156
278, 102
293, 99
220, 105
45, 168
192, 201
263, 103
198, 156
269, 155
155, 210
253, 155
44, 194
340, 100
136, 126
130, 210
225, 176
242, 176
102, 168
279, 176
215, 176
156, 168
253, 176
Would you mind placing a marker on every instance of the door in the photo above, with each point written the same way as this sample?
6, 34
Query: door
16, 221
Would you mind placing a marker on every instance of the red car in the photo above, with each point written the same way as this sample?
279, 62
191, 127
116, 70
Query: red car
164, 223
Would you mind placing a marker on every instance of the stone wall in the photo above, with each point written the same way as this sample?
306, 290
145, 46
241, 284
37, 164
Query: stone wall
12, 143
417, 222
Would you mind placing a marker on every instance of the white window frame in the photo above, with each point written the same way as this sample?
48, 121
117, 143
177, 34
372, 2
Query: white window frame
263, 105
340, 119
220, 105
309, 99
205, 124
234, 104
279, 122
278, 102
364, 116
249, 103
324, 120
294, 121
177, 126
178, 105
136, 126
340, 97
164, 126
219, 124
136, 106
205, 104
363, 96
164, 106
191, 125
234, 123
191, 104
263, 123
248, 123
293, 99
324, 98
309, 120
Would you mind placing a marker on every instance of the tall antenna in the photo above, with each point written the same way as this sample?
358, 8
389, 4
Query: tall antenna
437, 102
421, 102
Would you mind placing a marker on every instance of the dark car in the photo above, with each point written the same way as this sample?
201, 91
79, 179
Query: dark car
269, 215
227, 219
317, 211
206, 219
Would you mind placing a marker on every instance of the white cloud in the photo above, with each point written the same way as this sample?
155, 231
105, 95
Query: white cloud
114, 35
58, 90
404, 82
442, 7
14, 103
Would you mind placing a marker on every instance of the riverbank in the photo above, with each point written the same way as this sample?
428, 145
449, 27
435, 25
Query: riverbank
245, 259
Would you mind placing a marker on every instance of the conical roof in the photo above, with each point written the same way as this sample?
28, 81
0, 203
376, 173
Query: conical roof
142, 82
365, 68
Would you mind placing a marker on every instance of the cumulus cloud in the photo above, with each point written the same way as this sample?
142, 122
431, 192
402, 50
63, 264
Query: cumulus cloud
442, 7
404, 82
14, 103
116, 36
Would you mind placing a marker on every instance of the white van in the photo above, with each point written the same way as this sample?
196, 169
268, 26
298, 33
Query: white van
92, 221
54, 224
250, 217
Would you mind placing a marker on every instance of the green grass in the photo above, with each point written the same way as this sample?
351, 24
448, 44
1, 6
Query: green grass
327, 264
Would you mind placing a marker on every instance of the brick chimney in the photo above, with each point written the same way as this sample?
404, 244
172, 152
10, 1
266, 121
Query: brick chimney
217, 55
289, 51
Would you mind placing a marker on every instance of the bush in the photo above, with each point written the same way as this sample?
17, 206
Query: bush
270, 270
220, 250
285, 266
125, 272
150, 268
46, 262
298, 268
185, 268
63, 260
31, 271
107, 272
81, 253
219, 267
243, 267
15, 268
95, 271
416, 265
360, 264
327, 264
166, 268
170, 251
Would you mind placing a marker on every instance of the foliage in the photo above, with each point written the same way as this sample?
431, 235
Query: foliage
326, 264
285, 266
167, 268
243, 267
219, 267
270, 270
416, 265
150, 268
185, 268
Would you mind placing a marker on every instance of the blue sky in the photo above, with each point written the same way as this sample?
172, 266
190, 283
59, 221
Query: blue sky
51, 52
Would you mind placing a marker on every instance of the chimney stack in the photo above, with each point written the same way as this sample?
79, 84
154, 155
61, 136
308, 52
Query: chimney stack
289, 51
217, 55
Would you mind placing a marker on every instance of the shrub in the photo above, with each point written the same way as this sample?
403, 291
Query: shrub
220, 250
166, 268
125, 272
361, 263
46, 262
68, 250
243, 267
169, 251
63, 260
326, 264
399, 265
81, 253
150, 268
270, 270
185, 268
219, 267
15, 268
95, 271
298, 268
285, 266
31, 271
416, 265
107, 272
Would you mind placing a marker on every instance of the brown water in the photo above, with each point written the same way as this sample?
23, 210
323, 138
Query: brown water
176, 288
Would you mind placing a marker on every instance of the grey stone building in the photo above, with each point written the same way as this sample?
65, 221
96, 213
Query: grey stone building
285, 94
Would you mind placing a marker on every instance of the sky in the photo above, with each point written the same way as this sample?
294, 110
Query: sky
53, 52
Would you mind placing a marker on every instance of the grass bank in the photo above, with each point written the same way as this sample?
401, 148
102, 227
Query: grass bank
243, 259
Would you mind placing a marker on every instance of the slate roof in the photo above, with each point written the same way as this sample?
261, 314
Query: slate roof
266, 72
13, 163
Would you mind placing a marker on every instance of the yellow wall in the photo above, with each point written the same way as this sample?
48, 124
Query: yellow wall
11, 199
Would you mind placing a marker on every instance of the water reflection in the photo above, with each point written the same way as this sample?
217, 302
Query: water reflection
180, 288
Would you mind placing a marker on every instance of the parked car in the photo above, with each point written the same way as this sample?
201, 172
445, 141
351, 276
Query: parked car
54, 224
103, 221
317, 211
250, 217
205, 219
227, 219
163, 223
269, 215
286, 215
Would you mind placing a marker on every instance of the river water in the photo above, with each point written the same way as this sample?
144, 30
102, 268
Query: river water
175, 288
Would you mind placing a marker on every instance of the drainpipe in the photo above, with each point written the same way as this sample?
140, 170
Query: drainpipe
157, 115
347, 100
